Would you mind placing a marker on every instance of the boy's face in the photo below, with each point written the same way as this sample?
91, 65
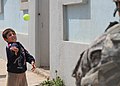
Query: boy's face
11, 37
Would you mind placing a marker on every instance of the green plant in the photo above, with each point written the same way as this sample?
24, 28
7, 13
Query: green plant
57, 81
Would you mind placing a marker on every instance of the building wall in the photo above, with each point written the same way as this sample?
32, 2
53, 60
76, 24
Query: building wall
44, 33
33, 30
33, 33
11, 16
39, 31
65, 53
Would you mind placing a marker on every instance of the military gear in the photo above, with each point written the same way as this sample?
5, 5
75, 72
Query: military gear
99, 65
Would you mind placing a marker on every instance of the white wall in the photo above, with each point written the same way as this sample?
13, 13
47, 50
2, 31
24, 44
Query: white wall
12, 16
43, 35
65, 54
39, 31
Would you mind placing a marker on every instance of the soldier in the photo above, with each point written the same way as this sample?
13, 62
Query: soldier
99, 64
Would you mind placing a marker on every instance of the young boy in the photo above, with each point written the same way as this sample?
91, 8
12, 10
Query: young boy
17, 56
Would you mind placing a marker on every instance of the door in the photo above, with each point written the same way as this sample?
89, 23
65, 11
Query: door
43, 34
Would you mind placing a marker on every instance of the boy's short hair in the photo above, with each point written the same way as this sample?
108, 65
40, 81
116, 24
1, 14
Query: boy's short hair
6, 31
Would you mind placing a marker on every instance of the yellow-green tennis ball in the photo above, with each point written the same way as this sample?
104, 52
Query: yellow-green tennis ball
26, 17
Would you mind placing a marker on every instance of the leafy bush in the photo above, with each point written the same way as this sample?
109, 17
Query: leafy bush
57, 81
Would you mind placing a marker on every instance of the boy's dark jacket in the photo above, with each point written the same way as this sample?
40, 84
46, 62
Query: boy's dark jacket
17, 63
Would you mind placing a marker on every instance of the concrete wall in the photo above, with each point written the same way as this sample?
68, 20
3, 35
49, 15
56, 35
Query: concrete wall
11, 16
44, 33
39, 31
33, 30
64, 54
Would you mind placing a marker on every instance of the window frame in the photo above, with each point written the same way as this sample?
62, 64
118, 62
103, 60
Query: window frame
0, 6
24, 5
24, 0
65, 27
68, 2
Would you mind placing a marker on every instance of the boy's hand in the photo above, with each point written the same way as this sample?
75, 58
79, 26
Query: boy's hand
33, 65
15, 49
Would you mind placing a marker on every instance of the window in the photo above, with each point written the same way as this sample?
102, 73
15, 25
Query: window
24, 0
76, 22
24, 5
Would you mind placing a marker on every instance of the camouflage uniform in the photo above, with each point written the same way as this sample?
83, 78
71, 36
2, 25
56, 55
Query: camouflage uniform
99, 64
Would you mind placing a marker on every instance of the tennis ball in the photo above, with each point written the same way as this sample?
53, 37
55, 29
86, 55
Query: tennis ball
26, 17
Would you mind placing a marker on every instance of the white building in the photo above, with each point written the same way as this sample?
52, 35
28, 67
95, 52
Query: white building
59, 30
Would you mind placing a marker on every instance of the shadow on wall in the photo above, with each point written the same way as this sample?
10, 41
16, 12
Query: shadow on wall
3, 2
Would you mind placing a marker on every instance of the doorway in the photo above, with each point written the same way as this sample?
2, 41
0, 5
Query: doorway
43, 33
